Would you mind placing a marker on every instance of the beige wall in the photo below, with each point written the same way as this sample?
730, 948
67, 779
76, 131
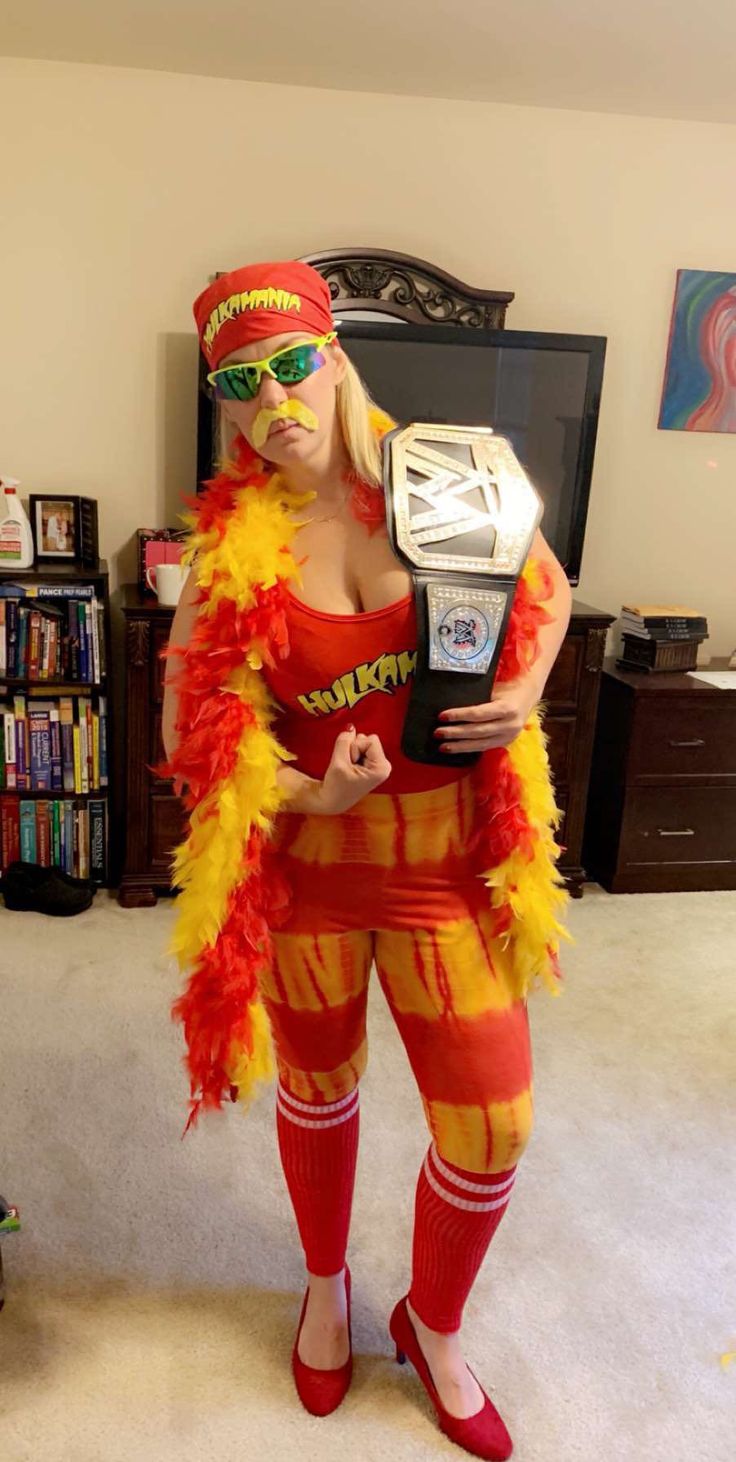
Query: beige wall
122, 190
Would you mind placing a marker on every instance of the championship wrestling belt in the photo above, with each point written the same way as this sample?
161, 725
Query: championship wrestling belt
461, 514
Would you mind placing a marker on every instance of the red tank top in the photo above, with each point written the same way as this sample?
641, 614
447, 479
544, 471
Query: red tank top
345, 668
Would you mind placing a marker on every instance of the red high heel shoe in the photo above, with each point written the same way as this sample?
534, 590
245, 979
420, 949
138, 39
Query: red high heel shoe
483, 1435
321, 1392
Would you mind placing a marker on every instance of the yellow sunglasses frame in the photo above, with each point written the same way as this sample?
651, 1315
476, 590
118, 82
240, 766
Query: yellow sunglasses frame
264, 366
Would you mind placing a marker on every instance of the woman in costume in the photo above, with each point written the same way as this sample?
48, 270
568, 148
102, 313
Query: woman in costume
315, 847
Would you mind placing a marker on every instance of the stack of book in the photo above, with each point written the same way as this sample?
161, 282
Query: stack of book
57, 832
661, 637
58, 637
54, 745
54, 723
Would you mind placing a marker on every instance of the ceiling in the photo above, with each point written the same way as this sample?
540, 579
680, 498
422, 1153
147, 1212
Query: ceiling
657, 58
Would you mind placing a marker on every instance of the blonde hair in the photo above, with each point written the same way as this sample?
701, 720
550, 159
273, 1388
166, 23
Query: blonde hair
354, 404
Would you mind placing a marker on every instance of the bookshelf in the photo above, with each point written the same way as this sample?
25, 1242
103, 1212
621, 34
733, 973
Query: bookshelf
56, 772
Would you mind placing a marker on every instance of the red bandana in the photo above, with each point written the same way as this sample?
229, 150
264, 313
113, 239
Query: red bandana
260, 300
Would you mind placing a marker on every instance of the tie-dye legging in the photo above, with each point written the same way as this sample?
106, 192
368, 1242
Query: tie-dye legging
392, 881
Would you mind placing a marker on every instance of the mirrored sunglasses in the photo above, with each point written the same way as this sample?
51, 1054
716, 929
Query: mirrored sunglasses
287, 366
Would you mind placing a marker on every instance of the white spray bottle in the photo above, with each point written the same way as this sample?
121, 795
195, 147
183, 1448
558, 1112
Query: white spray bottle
16, 537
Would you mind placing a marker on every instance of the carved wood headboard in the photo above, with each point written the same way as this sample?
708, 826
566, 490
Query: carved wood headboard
405, 288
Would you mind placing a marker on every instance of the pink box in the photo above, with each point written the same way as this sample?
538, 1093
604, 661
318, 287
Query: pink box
155, 552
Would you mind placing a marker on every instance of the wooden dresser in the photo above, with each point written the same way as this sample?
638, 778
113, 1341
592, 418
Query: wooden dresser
662, 804
155, 819
154, 816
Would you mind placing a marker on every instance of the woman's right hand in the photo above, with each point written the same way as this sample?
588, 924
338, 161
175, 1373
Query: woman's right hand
357, 765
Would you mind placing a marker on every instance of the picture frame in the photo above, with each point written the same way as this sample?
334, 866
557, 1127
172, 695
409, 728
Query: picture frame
65, 529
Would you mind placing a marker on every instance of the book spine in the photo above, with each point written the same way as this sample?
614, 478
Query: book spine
28, 831
73, 630
63, 649
671, 637
83, 747
94, 640
69, 837
97, 840
43, 842
76, 742
12, 621
35, 645
11, 808
3, 639
59, 591
82, 632
57, 775
675, 621
5, 858
101, 639
23, 640
46, 658
22, 748
66, 716
83, 842
39, 732
55, 835
9, 737
54, 666
90, 745
102, 710
95, 750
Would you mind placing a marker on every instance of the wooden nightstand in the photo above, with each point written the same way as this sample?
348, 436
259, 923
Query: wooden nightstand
662, 803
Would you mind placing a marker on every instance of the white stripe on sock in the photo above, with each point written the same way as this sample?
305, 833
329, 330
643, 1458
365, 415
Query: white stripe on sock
318, 1108
491, 1187
311, 1122
470, 1205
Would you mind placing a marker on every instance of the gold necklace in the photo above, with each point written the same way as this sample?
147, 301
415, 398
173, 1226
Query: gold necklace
332, 515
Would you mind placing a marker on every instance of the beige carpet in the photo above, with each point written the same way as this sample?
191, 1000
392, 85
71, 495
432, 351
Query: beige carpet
154, 1290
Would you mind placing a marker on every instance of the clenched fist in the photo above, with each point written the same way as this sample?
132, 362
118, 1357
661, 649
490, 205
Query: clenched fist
357, 765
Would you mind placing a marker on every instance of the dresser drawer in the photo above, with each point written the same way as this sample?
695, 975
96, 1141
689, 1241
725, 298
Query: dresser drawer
564, 677
679, 825
560, 731
168, 826
683, 738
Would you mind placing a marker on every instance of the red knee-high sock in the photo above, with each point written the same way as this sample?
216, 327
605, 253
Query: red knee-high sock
456, 1215
319, 1148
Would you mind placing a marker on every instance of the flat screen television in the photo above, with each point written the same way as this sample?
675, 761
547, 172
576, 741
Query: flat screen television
540, 390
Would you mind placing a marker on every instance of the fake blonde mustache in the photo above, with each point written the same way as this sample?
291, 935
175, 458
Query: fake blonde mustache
291, 408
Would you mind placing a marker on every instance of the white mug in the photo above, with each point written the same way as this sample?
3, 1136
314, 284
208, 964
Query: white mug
167, 581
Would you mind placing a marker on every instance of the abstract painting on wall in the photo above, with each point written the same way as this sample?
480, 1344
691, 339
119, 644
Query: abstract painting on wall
699, 392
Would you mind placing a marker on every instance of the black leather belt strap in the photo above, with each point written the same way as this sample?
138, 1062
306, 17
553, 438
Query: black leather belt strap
438, 688
445, 502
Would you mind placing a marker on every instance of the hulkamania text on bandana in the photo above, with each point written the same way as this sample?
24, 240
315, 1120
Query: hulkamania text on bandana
249, 299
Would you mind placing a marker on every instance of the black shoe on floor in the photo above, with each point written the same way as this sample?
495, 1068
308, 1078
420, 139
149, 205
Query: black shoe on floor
32, 888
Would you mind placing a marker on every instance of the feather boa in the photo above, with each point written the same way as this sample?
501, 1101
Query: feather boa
227, 757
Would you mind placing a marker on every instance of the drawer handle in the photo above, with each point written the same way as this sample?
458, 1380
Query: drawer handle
680, 832
696, 741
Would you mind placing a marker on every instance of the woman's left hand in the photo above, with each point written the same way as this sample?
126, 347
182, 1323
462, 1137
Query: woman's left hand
495, 723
